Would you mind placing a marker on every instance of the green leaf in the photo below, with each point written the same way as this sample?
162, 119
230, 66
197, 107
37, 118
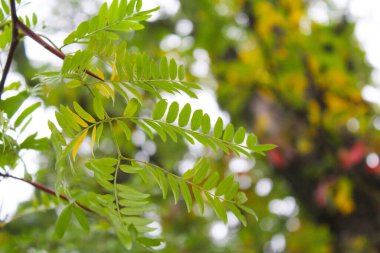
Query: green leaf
98, 108
69, 118
81, 218
201, 172
173, 69
126, 130
158, 128
130, 169
206, 126
126, 25
73, 84
239, 135
154, 70
138, 5
196, 120
99, 132
181, 73
241, 198
199, 199
174, 186
224, 185
113, 11
34, 19
12, 86
63, 221
263, 147
232, 191
217, 206
186, 195
163, 183
164, 69
173, 112
12, 104
160, 109
248, 210
132, 107
82, 113
218, 129
131, 7
184, 115
251, 140
237, 213
191, 172
82, 29
126, 239
211, 181
37, 144
122, 9
149, 242
130, 193
5, 7
228, 133
219, 209
26, 112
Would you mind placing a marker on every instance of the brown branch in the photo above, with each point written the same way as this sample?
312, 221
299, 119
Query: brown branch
45, 189
17, 24
47, 46
12, 49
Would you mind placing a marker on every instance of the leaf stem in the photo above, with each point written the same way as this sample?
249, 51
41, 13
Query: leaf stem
46, 189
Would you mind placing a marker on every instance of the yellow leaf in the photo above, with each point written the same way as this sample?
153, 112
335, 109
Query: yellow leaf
78, 142
102, 90
115, 75
93, 137
106, 90
99, 73
78, 119
110, 91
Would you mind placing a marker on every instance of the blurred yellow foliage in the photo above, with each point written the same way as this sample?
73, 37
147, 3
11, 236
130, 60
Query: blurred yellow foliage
343, 197
314, 112
268, 19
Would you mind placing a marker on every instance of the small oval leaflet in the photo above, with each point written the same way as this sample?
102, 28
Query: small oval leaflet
218, 129
184, 115
160, 109
173, 112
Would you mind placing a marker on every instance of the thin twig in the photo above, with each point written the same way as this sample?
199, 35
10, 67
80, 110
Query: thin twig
12, 49
17, 24
48, 47
45, 189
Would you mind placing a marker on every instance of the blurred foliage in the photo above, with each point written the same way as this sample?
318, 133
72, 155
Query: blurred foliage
292, 81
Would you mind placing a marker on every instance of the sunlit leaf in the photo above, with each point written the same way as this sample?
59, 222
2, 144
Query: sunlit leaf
172, 113
63, 221
78, 142
82, 113
184, 115
218, 129
160, 109
186, 195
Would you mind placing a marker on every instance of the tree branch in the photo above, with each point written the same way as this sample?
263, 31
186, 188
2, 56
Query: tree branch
17, 24
12, 49
45, 189
47, 46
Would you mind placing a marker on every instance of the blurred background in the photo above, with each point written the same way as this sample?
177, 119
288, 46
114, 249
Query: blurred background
302, 74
